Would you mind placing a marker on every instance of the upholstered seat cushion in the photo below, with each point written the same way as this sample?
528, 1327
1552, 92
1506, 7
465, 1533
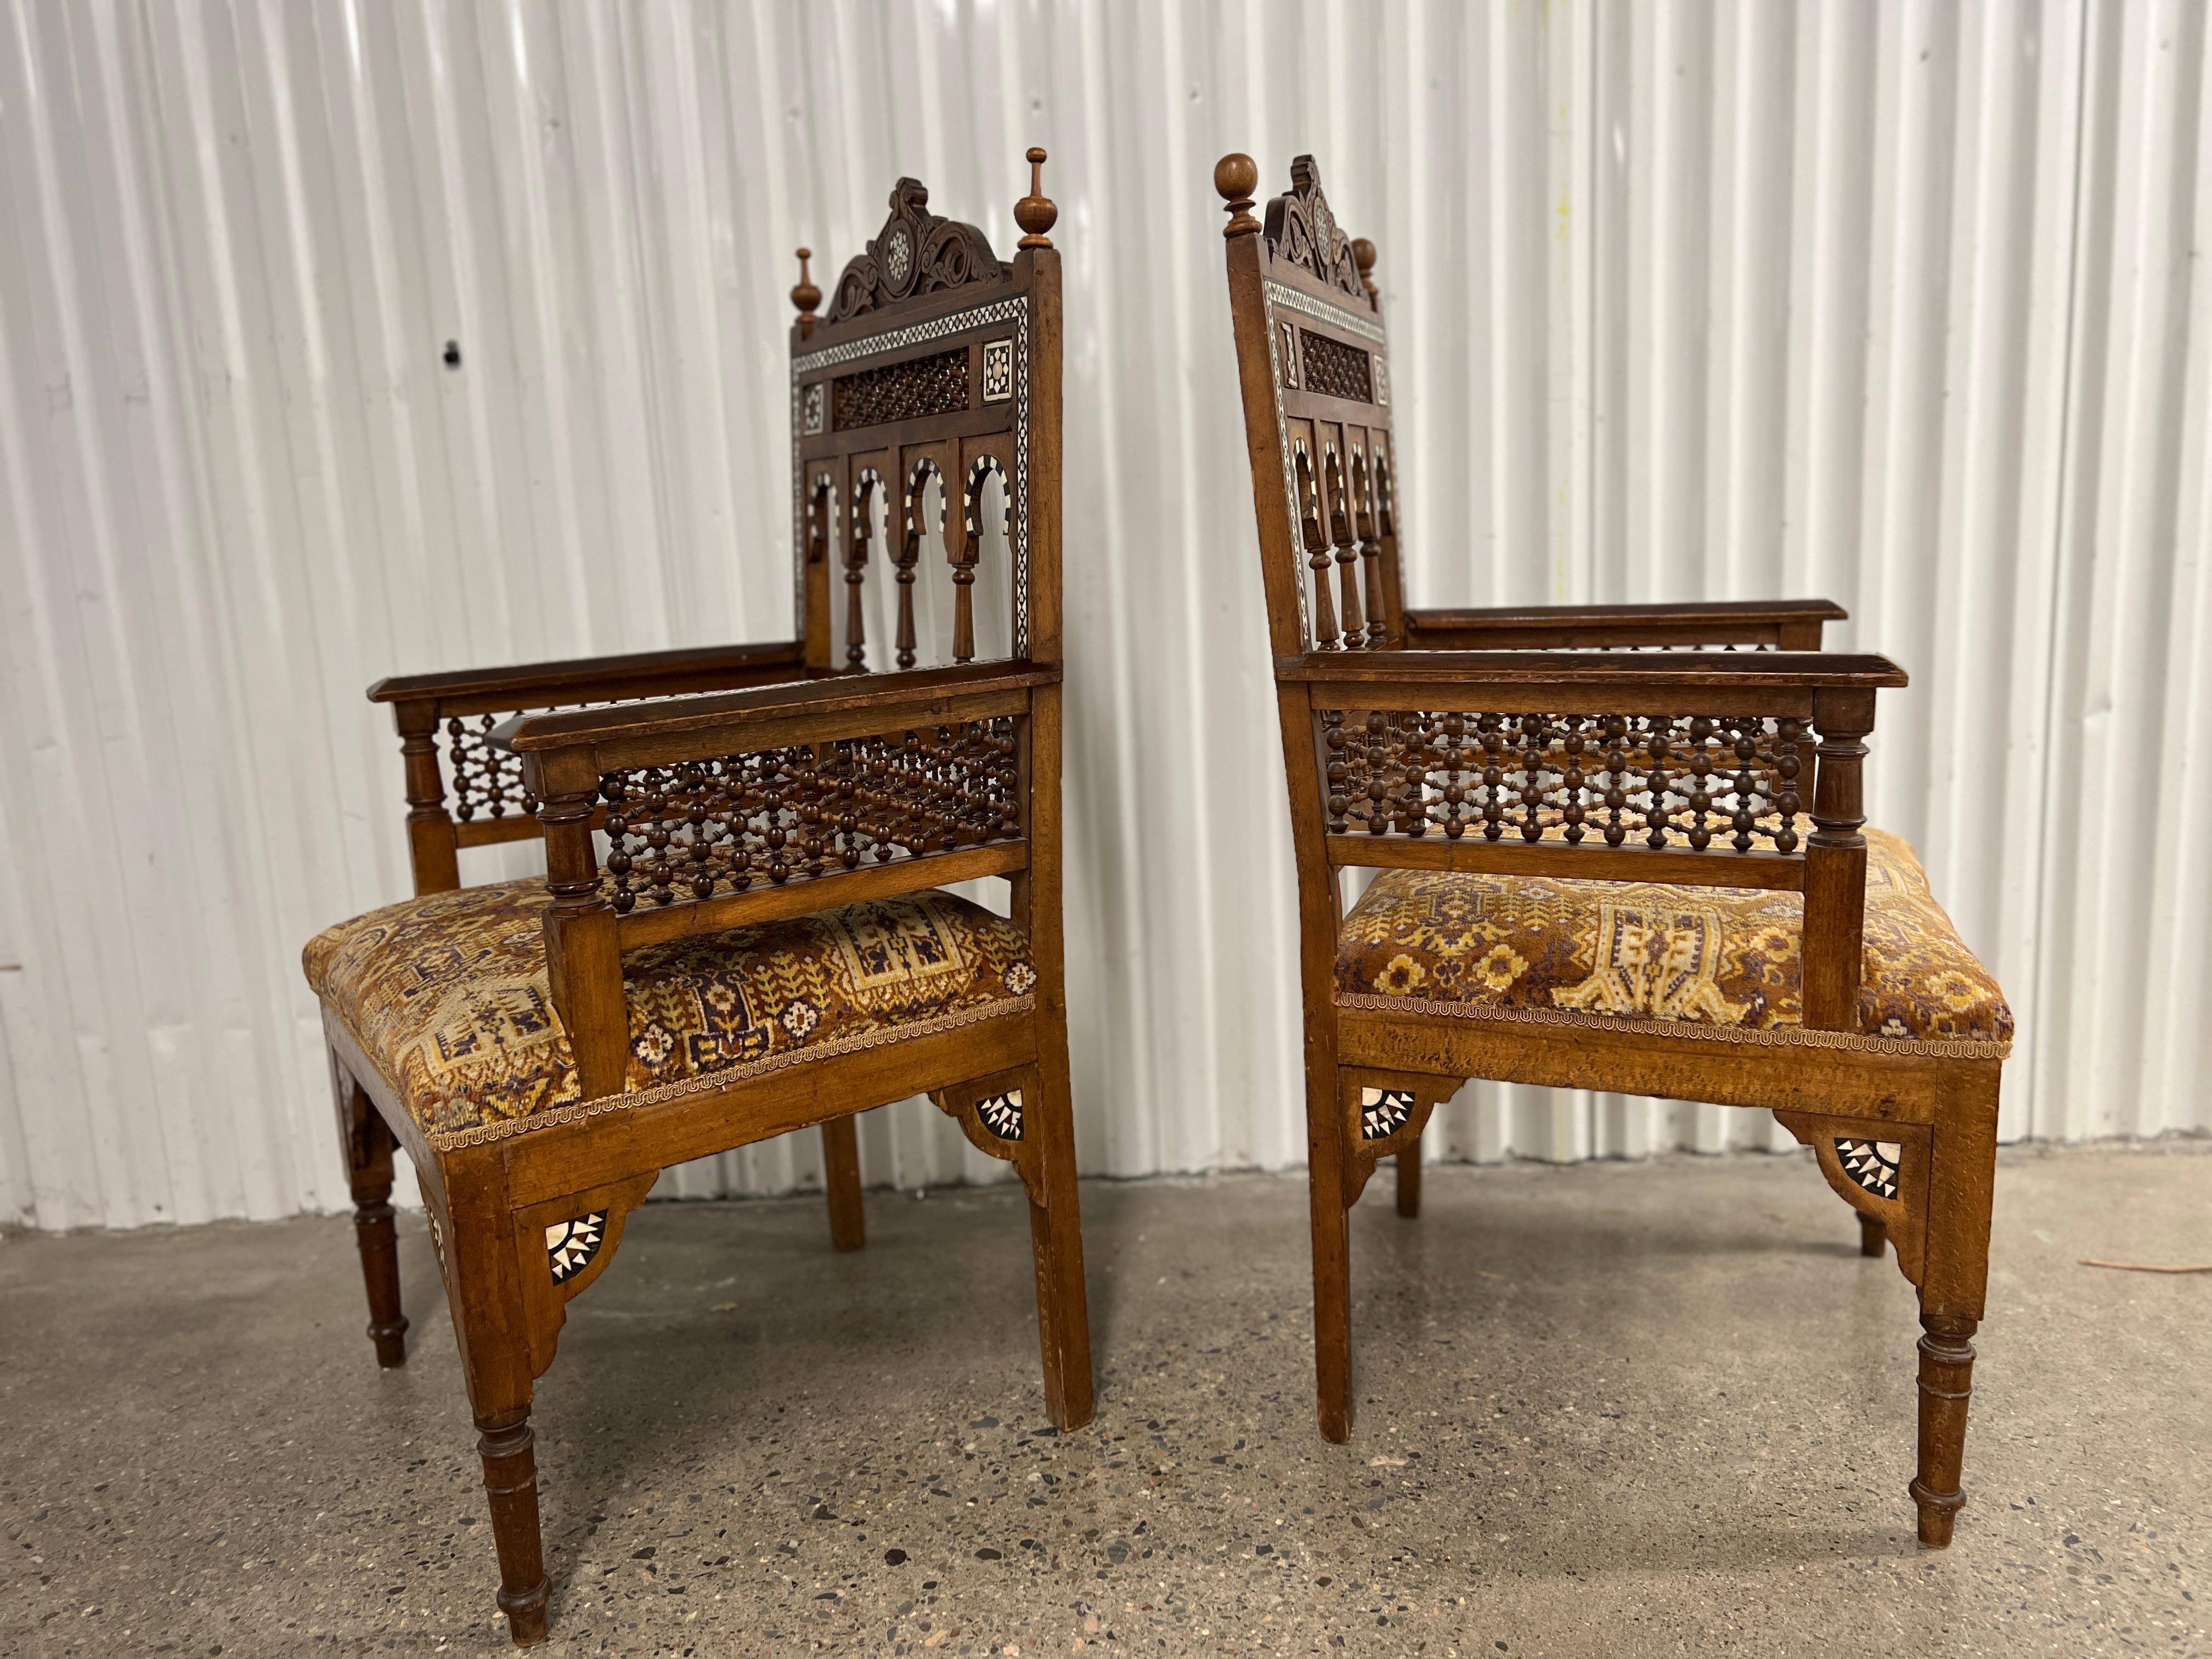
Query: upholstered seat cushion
1540, 948
448, 994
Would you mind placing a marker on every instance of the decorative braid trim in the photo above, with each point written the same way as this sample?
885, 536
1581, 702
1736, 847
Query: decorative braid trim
1779, 1037
483, 1133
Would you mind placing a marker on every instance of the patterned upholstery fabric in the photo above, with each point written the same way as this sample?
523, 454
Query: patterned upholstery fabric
448, 994
1643, 952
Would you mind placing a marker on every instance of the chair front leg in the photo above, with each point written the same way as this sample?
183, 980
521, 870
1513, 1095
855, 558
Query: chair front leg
506, 1443
366, 1142
840, 1178
505, 1328
1962, 1177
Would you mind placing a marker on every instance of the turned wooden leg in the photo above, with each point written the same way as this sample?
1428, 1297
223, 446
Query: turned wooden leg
511, 1482
1962, 1180
369, 1146
1331, 1253
840, 1174
1873, 1234
1409, 1181
1946, 1383
1056, 1239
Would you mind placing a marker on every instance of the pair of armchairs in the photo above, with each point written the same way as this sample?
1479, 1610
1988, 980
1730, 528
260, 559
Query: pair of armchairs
1601, 864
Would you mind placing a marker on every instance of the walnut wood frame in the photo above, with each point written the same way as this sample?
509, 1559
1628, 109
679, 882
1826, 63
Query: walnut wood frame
493, 1193
1329, 548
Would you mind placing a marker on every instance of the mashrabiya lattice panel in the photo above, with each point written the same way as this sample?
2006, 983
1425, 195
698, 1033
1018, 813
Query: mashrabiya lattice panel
935, 385
486, 781
1335, 369
1654, 781
689, 831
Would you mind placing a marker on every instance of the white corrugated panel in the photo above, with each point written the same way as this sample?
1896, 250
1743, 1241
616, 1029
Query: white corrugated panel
1894, 303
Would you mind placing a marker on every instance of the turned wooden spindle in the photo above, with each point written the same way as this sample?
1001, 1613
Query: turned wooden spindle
583, 956
1346, 546
1036, 213
865, 499
908, 555
1236, 176
1363, 255
806, 296
964, 561
1317, 551
1833, 944
432, 850
1947, 1385
1370, 545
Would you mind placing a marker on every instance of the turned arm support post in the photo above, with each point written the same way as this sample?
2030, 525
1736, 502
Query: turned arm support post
432, 850
1835, 861
583, 954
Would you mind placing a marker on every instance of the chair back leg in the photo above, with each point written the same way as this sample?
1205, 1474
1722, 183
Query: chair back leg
365, 1140
1409, 1182
1056, 1235
841, 1176
1332, 1246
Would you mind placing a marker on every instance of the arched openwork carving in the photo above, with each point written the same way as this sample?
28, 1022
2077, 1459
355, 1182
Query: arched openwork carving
909, 553
914, 253
970, 552
1345, 547
1304, 232
1315, 543
821, 503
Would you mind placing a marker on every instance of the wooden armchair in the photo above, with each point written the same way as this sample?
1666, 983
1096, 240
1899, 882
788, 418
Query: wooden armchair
764, 945
1599, 865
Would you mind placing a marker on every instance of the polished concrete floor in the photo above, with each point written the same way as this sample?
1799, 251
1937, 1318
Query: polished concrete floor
1605, 1410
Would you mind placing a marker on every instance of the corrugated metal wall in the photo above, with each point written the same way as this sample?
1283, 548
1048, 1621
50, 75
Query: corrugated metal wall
1891, 303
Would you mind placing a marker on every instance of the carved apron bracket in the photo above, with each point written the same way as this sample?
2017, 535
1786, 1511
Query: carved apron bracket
1384, 1113
1880, 1170
561, 1246
991, 1112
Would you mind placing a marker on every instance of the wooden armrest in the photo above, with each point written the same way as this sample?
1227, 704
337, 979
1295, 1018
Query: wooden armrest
1791, 624
595, 679
703, 726
1436, 675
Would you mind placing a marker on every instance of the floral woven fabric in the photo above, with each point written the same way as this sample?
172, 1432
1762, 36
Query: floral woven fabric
449, 994
1643, 952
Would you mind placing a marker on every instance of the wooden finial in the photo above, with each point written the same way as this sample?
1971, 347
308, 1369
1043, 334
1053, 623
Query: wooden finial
806, 296
1035, 213
1363, 255
1236, 177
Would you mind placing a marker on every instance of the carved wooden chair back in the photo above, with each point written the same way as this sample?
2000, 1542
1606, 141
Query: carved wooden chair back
919, 384
1330, 545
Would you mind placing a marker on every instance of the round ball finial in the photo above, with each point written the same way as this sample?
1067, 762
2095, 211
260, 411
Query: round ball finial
1363, 255
1236, 176
806, 296
1036, 213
